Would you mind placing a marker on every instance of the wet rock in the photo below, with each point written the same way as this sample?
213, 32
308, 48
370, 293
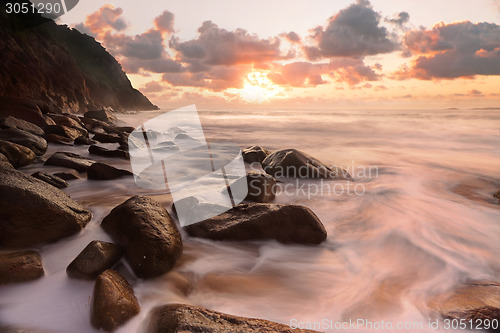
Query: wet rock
257, 221
54, 138
148, 234
478, 300
254, 154
68, 121
261, 187
20, 267
294, 163
102, 115
16, 155
37, 144
107, 138
29, 113
101, 171
97, 257
67, 175
151, 135
4, 161
101, 151
497, 195
82, 140
64, 131
70, 160
34, 212
113, 302
50, 179
131, 143
11, 122
126, 129
177, 318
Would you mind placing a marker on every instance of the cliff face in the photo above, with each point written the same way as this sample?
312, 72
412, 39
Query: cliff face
62, 67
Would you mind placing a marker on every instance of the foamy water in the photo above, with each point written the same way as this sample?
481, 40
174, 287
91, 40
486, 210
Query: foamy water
425, 222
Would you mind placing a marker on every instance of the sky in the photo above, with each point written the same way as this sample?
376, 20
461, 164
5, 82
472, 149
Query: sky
303, 54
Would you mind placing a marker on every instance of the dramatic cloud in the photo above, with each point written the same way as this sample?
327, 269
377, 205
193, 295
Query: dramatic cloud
292, 37
165, 22
402, 18
454, 50
353, 32
106, 19
152, 87
215, 78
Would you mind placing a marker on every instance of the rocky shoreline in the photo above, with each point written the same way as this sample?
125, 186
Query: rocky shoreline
34, 211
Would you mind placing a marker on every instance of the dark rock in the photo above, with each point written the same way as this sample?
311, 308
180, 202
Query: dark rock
126, 129
17, 155
37, 144
50, 179
131, 143
193, 211
101, 171
11, 122
148, 234
97, 257
20, 267
151, 135
64, 131
113, 302
254, 154
62, 140
67, 175
92, 124
177, 318
82, 140
22, 110
107, 138
4, 161
70, 160
257, 221
102, 115
474, 301
261, 187
101, 151
497, 195
34, 212
294, 163
68, 121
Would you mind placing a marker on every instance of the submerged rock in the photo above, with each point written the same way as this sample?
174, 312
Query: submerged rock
257, 221
34, 212
95, 258
101, 151
11, 122
113, 302
50, 179
101, 171
177, 318
17, 155
20, 267
254, 154
150, 237
70, 160
261, 187
294, 163
37, 144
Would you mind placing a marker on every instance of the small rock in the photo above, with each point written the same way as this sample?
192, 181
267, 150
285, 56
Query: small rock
497, 195
37, 144
20, 267
254, 154
148, 234
101, 151
11, 122
126, 129
101, 171
97, 257
50, 179
67, 175
102, 115
294, 163
113, 301
173, 318
83, 140
17, 155
70, 160
257, 221
261, 187
107, 138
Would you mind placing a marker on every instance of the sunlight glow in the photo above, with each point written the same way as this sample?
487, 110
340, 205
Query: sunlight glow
257, 88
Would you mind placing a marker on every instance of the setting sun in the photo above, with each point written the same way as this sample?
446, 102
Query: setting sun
257, 88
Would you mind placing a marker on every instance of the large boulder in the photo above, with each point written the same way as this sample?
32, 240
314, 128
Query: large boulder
20, 267
37, 144
102, 115
17, 155
113, 302
33, 212
148, 234
177, 318
101, 151
479, 300
4, 161
50, 179
83, 140
257, 221
297, 164
101, 171
11, 122
23, 109
68, 121
261, 187
70, 160
95, 258
254, 154
67, 132
107, 138
55, 138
